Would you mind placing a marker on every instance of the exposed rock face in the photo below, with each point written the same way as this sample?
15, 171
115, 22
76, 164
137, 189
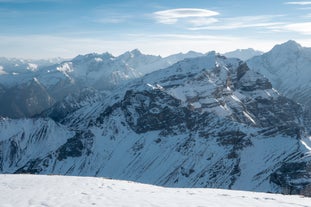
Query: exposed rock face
250, 81
287, 66
23, 140
73, 102
294, 178
203, 122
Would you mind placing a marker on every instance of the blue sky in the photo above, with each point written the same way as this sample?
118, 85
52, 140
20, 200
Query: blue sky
53, 28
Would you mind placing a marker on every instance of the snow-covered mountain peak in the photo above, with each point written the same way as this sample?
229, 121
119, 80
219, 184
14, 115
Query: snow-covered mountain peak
192, 52
243, 54
289, 51
180, 56
289, 45
184, 67
133, 54
32, 67
92, 56
136, 52
288, 68
65, 67
198, 63
107, 55
212, 63
189, 53
100, 71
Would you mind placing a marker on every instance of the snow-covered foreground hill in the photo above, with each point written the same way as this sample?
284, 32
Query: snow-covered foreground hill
58, 191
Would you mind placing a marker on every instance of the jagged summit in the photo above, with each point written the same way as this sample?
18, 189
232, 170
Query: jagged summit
289, 50
87, 57
288, 67
243, 54
136, 52
130, 54
180, 56
199, 62
289, 45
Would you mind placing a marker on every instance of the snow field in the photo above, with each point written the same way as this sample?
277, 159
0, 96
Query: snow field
65, 191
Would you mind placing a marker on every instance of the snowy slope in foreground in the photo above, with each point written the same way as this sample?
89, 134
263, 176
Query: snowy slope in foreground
34, 190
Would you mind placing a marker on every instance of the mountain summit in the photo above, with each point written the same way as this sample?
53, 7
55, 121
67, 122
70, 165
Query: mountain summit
243, 54
288, 67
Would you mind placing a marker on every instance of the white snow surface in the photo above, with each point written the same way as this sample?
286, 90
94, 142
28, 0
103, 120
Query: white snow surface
2, 72
65, 191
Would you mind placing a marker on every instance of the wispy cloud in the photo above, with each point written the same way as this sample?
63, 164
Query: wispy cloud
194, 19
171, 36
302, 28
301, 3
263, 21
236, 26
202, 19
114, 19
191, 15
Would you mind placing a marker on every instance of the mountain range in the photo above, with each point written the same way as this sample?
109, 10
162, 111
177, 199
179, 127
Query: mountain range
203, 121
29, 87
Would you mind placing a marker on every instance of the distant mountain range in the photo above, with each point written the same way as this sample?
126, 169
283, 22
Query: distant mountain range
28, 88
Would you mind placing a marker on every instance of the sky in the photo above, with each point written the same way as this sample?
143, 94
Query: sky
66, 28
